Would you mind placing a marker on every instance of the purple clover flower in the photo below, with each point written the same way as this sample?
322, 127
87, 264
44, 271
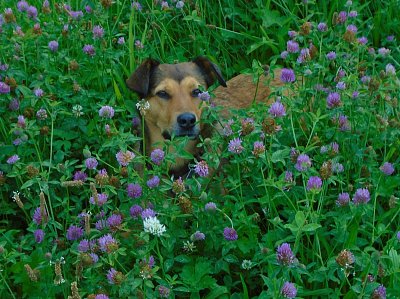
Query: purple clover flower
383, 51
331, 55
106, 112
352, 28
277, 109
157, 156
289, 290
135, 211
210, 207
38, 92
342, 17
91, 163
361, 196
387, 168
80, 176
114, 220
163, 291
314, 183
101, 296
341, 85
353, 14
101, 199
284, 254
344, 124
107, 243
343, 199
379, 293
14, 104
21, 121
204, 96
100, 224
362, 40
201, 169
322, 27
111, 275
284, 54
148, 213
139, 44
136, 5
38, 218
124, 158
121, 40
89, 50
134, 190
235, 146
287, 75
22, 6
13, 159
333, 100
230, 234
292, 34
303, 162
32, 12
76, 15
98, 32
53, 45
258, 148
292, 46
198, 236
84, 245
41, 114
179, 4
153, 182
304, 55
390, 70
95, 257
74, 233
39, 235
355, 94
4, 88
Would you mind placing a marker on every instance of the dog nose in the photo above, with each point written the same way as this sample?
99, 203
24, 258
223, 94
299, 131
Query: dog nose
186, 120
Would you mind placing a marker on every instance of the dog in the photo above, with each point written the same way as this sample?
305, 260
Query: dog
175, 109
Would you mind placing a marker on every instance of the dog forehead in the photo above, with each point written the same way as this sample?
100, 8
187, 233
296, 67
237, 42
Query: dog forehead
177, 72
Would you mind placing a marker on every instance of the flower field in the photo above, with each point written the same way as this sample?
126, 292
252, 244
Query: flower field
297, 198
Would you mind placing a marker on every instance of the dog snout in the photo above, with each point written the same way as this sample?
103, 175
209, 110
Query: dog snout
186, 120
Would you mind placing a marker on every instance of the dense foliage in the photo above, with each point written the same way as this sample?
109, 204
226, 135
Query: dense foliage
294, 199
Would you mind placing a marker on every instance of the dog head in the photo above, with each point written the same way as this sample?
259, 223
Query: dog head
172, 91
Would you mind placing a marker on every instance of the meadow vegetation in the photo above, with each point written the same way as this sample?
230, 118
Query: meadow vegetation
305, 199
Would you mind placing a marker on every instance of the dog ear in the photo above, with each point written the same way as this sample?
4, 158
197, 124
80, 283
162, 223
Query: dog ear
210, 70
139, 81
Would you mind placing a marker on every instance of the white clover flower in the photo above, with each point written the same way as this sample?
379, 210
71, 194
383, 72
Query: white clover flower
189, 246
77, 110
143, 106
153, 226
247, 264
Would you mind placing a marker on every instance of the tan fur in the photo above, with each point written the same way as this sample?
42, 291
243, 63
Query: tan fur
242, 90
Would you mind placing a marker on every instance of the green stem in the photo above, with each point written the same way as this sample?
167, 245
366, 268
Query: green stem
374, 215
8, 286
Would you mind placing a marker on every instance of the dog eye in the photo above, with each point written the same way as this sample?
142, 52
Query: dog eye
163, 94
196, 92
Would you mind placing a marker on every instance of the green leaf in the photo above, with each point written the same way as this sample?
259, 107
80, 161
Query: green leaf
311, 227
280, 156
300, 218
245, 291
196, 276
217, 292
